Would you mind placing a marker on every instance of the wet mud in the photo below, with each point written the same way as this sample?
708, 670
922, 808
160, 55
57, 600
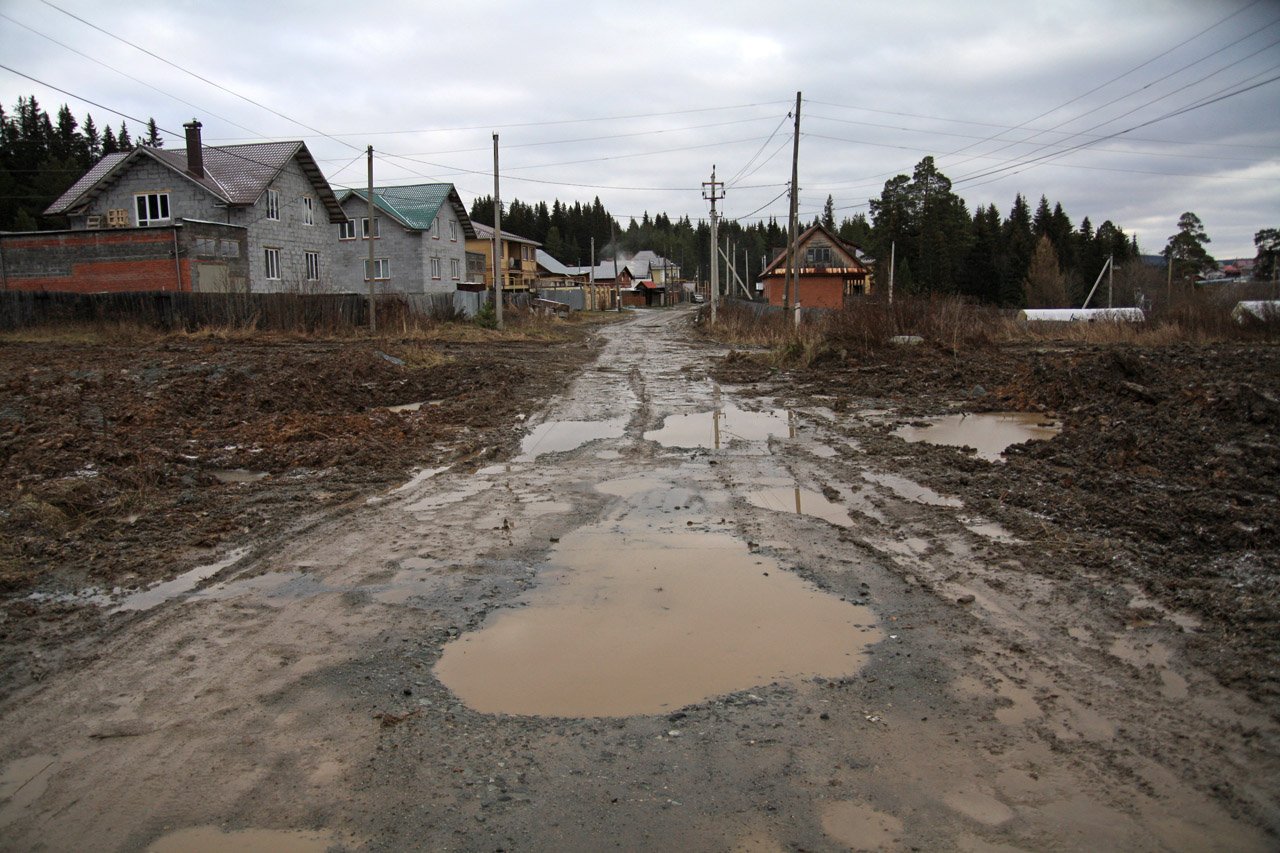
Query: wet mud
617, 630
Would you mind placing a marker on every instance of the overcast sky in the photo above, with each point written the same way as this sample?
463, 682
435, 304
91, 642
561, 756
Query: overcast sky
634, 102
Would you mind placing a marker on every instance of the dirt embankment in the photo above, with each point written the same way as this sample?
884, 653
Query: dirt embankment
123, 464
1165, 473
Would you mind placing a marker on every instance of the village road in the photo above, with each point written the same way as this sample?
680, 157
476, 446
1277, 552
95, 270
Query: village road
683, 617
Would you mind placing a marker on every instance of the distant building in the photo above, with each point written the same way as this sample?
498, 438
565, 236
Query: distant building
519, 258
266, 201
829, 272
420, 235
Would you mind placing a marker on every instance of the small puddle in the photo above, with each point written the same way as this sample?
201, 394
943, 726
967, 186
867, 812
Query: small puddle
716, 429
419, 477
563, 436
162, 592
413, 407
638, 622
989, 434
470, 490
211, 839
1140, 601
802, 502
909, 490
1141, 655
860, 827
237, 475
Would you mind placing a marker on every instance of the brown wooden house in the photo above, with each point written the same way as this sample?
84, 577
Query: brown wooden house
829, 272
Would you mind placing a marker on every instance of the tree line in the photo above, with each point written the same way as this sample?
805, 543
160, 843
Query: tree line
1032, 258
41, 157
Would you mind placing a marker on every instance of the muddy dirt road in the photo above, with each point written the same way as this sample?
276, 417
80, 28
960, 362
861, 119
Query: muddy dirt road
682, 617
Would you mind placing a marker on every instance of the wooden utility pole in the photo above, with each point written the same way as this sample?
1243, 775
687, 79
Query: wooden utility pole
617, 274
893, 251
713, 190
595, 302
373, 319
499, 271
791, 282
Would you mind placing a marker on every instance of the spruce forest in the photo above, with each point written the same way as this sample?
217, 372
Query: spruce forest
1023, 257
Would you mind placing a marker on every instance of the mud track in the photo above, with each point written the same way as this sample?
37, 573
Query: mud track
1013, 695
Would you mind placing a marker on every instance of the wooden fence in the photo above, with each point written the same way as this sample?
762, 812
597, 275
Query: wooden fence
284, 312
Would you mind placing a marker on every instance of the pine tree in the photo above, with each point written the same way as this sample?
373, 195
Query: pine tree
93, 142
123, 139
1190, 258
109, 144
153, 140
1044, 286
1268, 242
829, 214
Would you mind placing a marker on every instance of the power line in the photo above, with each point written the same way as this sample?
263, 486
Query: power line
203, 79
129, 76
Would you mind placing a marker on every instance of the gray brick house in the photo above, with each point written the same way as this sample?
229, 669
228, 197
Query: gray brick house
420, 237
274, 190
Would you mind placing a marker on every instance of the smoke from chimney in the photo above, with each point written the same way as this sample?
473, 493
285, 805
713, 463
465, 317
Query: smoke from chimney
195, 154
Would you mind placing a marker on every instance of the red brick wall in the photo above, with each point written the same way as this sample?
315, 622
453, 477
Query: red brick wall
93, 261
815, 291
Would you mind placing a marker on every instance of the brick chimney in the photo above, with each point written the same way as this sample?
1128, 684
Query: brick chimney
195, 154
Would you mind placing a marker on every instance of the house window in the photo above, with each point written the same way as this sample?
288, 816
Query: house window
347, 230
435, 228
118, 217
818, 255
272, 259
435, 267
308, 210
381, 269
364, 228
313, 265
455, 268
273, 204
152, 208
453, 231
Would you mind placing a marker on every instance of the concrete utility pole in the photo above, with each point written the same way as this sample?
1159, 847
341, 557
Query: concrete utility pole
499, 271
893, 251
373, 319
710, 191
595, 303
1111, 274
617, 273
791, 281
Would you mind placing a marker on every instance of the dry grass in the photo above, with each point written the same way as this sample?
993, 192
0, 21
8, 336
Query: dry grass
954, 326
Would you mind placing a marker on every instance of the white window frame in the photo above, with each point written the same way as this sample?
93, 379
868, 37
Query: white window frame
455, 269
435, 267
381, 269
273, 204
347, 230
308, 210
271, 260
312, 260
364, 227
152, 208
435, 228
453, 230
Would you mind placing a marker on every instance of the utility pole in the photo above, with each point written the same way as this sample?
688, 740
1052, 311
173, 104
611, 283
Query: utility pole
373, 319
595, 304
1170, 285
893, 251
1111, 273
710, 191
499, 273
617, 274
791, 282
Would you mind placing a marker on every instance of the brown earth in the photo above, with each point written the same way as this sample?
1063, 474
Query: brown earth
108, 453
1168, 457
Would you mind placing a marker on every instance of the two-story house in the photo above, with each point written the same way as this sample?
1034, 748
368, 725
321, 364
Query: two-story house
272, 194
519, 258
420, 236
829, 272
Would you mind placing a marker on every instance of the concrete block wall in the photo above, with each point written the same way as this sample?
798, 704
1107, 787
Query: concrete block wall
401, 246
291, 235
446, 250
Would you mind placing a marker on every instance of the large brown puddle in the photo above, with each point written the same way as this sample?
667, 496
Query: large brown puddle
211, 839
989, 434
638, 622
802, 502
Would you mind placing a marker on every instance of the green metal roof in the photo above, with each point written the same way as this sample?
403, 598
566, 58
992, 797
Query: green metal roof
416, 206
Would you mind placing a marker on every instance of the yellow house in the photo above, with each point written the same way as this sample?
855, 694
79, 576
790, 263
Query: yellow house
519, 258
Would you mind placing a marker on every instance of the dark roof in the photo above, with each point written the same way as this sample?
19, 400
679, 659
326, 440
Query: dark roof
416, 206
781, 255
550, 264
485, 232
236, 174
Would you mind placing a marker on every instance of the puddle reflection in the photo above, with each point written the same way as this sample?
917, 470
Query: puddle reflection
716, 429
562, 436
802, 502
989, 434
640, 623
